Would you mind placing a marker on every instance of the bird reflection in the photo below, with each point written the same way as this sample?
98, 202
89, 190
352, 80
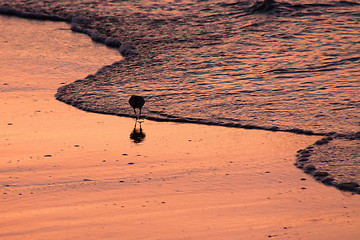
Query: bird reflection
137, 135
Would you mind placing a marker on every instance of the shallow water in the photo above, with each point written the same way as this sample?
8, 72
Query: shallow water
293, 66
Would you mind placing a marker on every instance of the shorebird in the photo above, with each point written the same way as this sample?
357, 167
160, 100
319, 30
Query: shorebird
137, 102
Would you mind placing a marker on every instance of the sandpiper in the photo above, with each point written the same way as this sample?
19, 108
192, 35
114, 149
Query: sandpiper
137, 102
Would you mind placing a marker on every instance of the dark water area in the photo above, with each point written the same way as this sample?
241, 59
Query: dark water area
277, 65
281, 65
334, 161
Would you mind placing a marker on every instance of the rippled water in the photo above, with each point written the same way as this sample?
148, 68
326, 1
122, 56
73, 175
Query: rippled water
292, 65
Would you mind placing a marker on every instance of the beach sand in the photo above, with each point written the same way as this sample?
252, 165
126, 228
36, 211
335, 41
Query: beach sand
69, 174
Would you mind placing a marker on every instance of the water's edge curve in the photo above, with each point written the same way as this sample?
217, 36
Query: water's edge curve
78, 24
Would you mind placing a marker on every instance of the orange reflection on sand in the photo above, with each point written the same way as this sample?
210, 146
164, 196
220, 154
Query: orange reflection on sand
66, 174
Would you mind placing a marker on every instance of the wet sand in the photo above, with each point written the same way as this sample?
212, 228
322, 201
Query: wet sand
69, 174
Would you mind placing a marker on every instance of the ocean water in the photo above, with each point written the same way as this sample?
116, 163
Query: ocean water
288, 65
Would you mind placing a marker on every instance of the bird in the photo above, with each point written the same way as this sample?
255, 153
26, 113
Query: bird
137, 102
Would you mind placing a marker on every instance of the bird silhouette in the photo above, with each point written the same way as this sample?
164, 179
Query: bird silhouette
137, 102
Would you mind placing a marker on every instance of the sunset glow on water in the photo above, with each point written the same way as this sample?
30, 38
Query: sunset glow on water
207, 70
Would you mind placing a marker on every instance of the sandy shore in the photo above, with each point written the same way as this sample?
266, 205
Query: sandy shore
68, 174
